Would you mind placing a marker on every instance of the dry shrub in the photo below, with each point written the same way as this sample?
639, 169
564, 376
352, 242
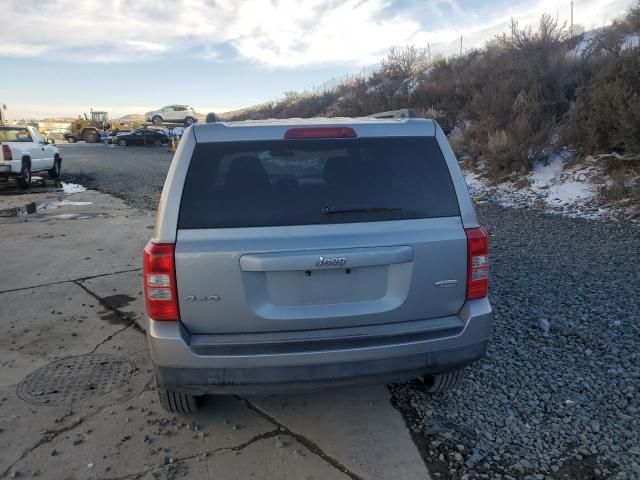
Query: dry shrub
623, 173
606, 115
498, 142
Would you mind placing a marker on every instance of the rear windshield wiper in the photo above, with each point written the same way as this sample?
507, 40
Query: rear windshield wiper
332, 210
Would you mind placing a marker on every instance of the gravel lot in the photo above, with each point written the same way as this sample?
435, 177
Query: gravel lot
135, 174
557, 394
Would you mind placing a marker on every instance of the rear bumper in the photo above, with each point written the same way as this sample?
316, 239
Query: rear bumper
181, 364
10, 168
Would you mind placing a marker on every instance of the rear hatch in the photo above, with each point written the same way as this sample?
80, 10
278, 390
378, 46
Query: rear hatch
286, 235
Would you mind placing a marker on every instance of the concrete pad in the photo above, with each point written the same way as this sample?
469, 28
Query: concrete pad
357, 426
73, 241
260, 460
137, 435
122, 291
25, 427
42, 324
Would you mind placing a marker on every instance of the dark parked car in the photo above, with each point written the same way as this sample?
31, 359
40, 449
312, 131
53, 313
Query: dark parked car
114, 135
143, 136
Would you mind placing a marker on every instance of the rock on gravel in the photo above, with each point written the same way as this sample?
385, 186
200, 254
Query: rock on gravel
556, 395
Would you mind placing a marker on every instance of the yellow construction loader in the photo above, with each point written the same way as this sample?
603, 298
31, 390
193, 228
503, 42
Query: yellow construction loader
89, 130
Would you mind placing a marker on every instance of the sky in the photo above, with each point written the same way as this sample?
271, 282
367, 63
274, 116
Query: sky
63, 57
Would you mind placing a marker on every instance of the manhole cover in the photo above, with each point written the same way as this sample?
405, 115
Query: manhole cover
71, 379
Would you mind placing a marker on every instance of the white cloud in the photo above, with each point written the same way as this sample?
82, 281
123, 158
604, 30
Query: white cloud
281, 33
13, 49
147, 46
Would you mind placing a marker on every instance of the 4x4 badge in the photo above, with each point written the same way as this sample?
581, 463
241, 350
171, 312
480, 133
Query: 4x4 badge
203, 298
446, 283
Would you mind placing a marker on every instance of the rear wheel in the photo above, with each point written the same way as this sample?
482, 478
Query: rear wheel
157, 142
157, 119
24, 180
189, 121
443, 382
54, 172
72, 139
122, 142
178, 402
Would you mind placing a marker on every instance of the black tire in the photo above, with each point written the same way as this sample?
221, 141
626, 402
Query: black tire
443, 382
24, 180
72, 139
189, 121
122, 142
157, 142
91, 137
157, 120
55, 171
178, 402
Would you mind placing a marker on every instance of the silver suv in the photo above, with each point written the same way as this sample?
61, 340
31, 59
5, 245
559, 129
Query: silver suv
309, 253
171, 114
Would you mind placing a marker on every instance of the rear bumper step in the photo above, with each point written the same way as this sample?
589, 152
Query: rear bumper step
201, 381
324, 340
207, 364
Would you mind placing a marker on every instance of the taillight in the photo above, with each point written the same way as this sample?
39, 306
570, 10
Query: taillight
477, 263
6, 152
160, 292
304, 133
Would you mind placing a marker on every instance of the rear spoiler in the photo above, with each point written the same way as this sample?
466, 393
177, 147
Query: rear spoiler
403, 113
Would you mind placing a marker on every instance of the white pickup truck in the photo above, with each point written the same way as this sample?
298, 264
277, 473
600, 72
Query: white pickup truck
25, 151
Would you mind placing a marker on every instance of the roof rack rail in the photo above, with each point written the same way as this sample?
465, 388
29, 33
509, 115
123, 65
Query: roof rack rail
403, 113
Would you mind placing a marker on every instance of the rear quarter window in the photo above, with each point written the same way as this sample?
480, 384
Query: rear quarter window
305, 182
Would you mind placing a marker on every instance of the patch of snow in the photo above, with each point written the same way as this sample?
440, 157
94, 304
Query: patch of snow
632, 40
588, 42
584, 44
554, 186
560, 187
60, 203
66, 216
426, 73
72, 187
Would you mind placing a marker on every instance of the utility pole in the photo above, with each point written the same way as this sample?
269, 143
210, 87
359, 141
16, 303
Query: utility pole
3, 106
571, 27
460, 45
429, 50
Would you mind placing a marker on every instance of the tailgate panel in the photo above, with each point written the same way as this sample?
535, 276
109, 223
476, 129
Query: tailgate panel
270, 279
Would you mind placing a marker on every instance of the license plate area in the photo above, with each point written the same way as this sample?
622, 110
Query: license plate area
330, 286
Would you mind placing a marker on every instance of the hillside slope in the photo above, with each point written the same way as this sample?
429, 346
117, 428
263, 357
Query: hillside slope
526, 98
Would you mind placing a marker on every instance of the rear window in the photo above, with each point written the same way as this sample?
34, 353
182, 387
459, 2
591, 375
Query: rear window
304, 182
14, 134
